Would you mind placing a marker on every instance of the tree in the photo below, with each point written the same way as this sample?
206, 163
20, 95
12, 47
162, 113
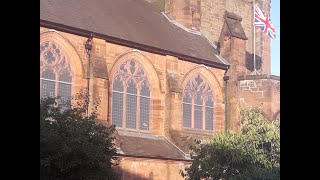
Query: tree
251, 153
73, 146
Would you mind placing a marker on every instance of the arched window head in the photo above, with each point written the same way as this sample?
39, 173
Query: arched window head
198, 104
55, 72
131, 98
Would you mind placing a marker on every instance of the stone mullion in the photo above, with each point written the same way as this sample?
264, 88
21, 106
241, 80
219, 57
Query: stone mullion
203, 115
124, 107
138, 109
192, 112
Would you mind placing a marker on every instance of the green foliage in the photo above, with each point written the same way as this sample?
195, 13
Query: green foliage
252, 153
73, 146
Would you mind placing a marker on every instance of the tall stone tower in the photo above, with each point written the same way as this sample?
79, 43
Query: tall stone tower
208, 17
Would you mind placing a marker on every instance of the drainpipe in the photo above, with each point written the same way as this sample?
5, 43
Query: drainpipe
225, 79
88, 47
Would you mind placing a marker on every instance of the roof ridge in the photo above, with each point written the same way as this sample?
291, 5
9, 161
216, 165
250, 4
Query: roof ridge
180, 25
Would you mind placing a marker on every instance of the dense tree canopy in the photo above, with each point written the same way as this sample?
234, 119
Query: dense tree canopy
251, 153
74, 146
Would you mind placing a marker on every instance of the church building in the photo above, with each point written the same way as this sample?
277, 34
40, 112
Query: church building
167, 72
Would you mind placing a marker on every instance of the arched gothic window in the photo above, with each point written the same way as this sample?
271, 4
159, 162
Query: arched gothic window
55, 72
131, 97
198, 104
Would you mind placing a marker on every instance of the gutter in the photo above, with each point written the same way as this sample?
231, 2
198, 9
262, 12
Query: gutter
153, 157
131, 44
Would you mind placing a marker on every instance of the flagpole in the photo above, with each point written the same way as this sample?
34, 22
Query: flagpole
254, 40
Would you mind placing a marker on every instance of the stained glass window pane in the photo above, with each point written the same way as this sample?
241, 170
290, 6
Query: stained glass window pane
117, 109
198, 117
65, 76
48, 88
198, 100
198, 80
118, 84
64, 88
187, 98
49, 56
186, 115
49, 74
132, 88
202, 102
144, 113
131, 111
64, 92
145, 89
209, 101
131, 78
41, 89
209, 118
132, 67
53, 61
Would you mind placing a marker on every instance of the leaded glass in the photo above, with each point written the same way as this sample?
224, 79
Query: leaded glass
48, 88
118, 84
132, 87
49, 74
132, 80
56, 75
131, 108
145, 89
117, 108
144, 113
209, 118
65, 76
187, 115
197, 95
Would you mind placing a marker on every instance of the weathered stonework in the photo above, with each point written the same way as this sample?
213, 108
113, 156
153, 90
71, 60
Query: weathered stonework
168, 76
211, 22
145, 169
260, 90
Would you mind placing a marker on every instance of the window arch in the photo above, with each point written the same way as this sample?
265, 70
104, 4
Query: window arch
55, 72
131, 98
198, 104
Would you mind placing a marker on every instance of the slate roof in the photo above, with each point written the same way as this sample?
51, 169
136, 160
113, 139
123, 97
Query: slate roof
148, 145
132, 20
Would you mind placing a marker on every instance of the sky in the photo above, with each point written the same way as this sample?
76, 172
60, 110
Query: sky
275, 43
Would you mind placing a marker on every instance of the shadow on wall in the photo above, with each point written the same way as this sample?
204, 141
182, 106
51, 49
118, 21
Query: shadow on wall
250, 63
125, 175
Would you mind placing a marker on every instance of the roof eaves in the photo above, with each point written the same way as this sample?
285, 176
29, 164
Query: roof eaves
156, 157
123, 42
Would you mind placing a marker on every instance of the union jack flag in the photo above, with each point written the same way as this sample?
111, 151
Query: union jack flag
262, 21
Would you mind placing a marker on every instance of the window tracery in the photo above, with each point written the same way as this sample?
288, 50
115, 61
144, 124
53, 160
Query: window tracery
131, 98
198, 104
55, 72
